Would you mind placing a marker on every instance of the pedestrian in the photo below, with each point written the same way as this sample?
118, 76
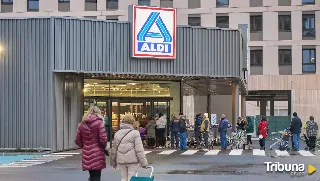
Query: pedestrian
205, 126
263, 129
143, 132
241, 123
296, 126
161, 123
174, 129
312, 131
106, 124
222, 129
183, 132
249, 131
151, 133
197, 129
92, 138
128, 152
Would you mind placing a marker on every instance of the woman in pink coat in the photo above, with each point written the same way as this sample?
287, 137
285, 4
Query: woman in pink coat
92, 138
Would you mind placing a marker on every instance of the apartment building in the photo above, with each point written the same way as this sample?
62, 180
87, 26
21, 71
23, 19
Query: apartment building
283, 40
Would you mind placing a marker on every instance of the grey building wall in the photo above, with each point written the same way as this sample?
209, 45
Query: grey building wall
26, 66
40, 108
101, 46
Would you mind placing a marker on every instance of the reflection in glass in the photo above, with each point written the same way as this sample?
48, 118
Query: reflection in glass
309, 68
33, 4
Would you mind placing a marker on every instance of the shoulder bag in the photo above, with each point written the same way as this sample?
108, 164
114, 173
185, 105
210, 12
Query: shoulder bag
120, 143
106, 152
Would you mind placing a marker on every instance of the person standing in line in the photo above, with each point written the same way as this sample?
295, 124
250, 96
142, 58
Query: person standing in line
106, 125
312, 131
128, 152
151, 133
296, 126
174, 129
249, 131
92, 138
197, 129
222, 129
262, 127
205, 126
161, 126
183, 132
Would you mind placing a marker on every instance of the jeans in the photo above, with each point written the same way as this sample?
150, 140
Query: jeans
296, 140
183, 140
150, 142
206, 137
95, 175
223, 138
174, 136
312, 142
162, 140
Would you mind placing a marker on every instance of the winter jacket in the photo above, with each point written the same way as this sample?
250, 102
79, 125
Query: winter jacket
197, 123
175, 124
205, 125
296, 125
263, 128
183, 125
130, 150
161, 122
151, 132
223, 125
142, 132
249, 128
93, 156
312, 128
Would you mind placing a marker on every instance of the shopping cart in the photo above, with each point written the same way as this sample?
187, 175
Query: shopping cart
139, 178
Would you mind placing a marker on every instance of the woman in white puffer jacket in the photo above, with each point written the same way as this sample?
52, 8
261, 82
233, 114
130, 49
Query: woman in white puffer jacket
128, 152
161, 123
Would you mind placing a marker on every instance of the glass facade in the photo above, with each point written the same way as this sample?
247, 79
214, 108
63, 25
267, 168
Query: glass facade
142, 99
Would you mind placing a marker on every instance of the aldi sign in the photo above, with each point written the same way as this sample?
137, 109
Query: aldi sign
153, 32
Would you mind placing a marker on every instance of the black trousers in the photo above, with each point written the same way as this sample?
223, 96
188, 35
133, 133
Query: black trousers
95, 175
249, 141
162, 140
198, 138
150, 142
206, 137
262, 142
312, 142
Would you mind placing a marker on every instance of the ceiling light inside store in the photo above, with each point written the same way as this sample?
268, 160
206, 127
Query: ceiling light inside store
85, 90
155, 89
95, 83
122, 85
143, 90
137, 88
132, 83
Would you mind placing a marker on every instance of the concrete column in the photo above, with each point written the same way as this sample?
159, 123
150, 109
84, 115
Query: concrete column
101, 5
235, 104
209, 106
289, 105
243, 106
77, 5
272, 107
263, 108
155, 3
48, 6
175, 94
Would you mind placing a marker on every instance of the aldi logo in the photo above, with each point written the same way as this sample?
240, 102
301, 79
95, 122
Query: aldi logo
154, 32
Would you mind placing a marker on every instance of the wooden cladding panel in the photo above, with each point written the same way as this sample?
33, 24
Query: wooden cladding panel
283, 82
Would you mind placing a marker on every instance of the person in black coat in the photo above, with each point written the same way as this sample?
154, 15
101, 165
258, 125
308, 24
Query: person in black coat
296, 125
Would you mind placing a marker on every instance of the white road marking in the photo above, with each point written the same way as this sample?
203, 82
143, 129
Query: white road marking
146, 152
306, 153
236, 152
12, 166
56, 155
258, 152
167, 152
65, 153
36, 160
282, 153
212, 152
189, 152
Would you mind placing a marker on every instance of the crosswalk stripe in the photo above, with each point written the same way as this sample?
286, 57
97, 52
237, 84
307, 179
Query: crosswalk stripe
189, 152
36, 160
212, 152
282, 153
236, 152
167, 152
306, 153
65, 153
12, 166
56, 155
146, 152
258, 152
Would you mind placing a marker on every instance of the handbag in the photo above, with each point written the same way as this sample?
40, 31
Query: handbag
137, 178
106, 152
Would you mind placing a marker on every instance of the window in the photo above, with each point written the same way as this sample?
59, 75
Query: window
194, 21
308, 25
144, 2
256, 57
256, 23
64, 1
308, 1
285, 57
166, 3
112, 18
223, 21
285, 23
309, 60
6, 1
222, 2
33, 5
91, 1
112, 4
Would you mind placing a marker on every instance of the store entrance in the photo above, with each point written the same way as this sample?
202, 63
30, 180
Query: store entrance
143, 109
